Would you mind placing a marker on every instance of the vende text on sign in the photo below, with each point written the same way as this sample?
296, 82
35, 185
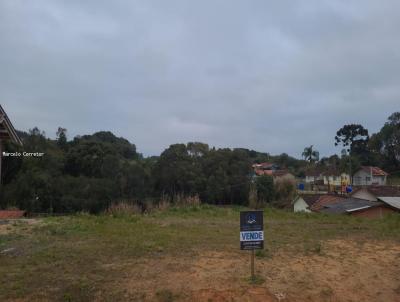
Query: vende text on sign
252, 236
251, 230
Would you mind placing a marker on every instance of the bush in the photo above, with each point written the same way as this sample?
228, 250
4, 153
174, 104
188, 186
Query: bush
123, 208
265, 188
285, 191
183, 201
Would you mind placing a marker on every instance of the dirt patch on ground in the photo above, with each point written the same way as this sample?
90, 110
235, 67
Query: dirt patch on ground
338, 271
8, 226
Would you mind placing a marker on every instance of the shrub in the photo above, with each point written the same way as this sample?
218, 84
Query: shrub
124, 208
285, 191
183, 201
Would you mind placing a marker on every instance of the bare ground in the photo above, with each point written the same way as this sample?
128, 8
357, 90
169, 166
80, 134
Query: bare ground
342, 271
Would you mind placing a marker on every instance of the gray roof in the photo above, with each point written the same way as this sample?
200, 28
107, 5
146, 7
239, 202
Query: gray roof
349, 205
391, 201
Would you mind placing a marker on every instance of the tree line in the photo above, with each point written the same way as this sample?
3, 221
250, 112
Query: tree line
89, 172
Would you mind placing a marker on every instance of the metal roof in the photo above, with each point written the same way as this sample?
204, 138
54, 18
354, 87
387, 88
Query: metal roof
392, 201
350, 205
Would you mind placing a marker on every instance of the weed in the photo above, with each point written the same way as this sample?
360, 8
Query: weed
256, 280
263, 253
313, 247
165, 295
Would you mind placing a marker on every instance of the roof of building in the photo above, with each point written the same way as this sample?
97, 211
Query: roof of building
326, 200
316, 171
310, 199
391, 201
316, 201
263, 165
375, 171
332, 172
263, 172
279, 173
349, 205
380, 191
7, 130
273, 173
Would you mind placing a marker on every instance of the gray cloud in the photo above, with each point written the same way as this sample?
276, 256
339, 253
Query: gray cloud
274, 77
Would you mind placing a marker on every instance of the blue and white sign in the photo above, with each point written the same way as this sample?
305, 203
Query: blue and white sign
252, 236
251, 230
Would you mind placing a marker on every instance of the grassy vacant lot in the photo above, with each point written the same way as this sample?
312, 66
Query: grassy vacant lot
193, 254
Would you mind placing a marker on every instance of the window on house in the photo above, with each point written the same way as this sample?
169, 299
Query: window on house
368, 178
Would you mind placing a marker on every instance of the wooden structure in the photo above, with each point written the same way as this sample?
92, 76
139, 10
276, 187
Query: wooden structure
7, 132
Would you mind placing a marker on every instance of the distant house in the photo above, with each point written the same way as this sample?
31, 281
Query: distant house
334, 177
340, 204
265, 166
303, 203
368, 175
272, 170
389, 195
277, 175
359, 208
373, 193
314, 175
314, 202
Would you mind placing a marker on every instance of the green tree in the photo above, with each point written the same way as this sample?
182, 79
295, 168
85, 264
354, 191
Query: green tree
310, 154
62, 137
385, 145
265, 188
353, 137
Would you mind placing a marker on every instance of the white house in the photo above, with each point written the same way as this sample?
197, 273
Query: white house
335, 178
303, 203
368, 175
315, 202
314, 175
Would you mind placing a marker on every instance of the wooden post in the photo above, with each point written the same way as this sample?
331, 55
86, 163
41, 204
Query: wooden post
252, 265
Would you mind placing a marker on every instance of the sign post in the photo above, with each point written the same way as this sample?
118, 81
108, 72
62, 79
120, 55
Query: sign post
251, 233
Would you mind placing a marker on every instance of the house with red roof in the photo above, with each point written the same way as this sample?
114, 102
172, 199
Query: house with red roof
369, 175
273, 170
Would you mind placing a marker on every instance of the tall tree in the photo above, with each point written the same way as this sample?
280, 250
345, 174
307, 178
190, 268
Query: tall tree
62, 137
386, 143
353, 137
310, 155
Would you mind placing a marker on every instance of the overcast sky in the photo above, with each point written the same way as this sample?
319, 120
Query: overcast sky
274, 76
